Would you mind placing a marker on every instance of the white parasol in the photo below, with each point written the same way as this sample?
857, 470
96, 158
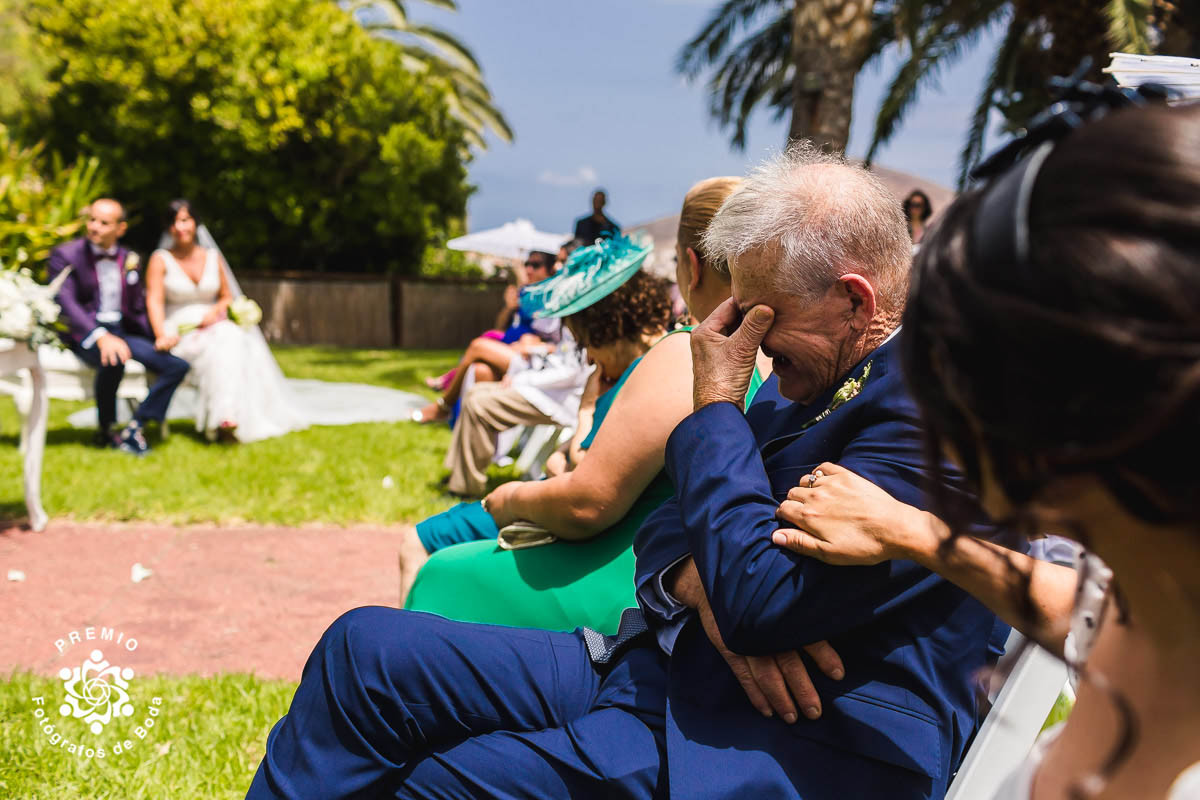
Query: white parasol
511, 240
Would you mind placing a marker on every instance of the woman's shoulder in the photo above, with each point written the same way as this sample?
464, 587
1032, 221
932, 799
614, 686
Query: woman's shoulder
671, 352
670, 344
670, 355
160, 256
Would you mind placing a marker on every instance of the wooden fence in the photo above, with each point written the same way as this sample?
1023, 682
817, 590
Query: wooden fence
351, 310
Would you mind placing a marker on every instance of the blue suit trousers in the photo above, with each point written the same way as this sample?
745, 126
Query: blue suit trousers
171, 371
405, 704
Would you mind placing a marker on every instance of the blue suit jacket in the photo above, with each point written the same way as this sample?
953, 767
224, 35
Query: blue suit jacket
911, 642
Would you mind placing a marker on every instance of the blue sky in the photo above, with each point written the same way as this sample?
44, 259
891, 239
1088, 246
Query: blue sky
592, 95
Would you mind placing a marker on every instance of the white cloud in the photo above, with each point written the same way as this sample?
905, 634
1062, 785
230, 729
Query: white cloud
584, 176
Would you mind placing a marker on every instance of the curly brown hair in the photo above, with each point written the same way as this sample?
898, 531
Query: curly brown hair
641, 306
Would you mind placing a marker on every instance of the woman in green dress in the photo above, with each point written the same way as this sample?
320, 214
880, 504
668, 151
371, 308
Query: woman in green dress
585, 578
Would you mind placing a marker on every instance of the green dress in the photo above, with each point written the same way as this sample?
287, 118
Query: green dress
559, 586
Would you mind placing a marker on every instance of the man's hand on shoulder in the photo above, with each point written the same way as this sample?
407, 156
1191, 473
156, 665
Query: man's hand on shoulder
776, 684
113, 350
724, 349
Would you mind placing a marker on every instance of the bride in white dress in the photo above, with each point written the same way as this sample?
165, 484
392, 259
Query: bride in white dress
240, 392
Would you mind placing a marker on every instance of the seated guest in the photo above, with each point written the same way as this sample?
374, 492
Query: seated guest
407, 704
488, 357
1074, 276
104, 305
511, 325
617, 313
586, 579
596, 225
545, 393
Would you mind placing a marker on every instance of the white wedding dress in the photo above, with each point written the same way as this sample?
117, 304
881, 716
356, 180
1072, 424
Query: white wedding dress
231, 369
234, 375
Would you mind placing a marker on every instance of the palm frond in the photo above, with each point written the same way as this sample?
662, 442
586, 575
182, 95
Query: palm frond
428, 49
999, 76
706, 47
481, 110
393, 12
936, 47
447, 43
758, 67
1129, 25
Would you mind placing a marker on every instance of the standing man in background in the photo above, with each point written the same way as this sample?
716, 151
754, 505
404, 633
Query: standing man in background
596, 225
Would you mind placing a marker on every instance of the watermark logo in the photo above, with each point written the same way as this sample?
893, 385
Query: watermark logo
96, 692
97, 710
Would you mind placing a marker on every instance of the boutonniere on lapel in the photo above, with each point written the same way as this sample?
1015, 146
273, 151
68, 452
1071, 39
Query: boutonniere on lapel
849, 390
131, 265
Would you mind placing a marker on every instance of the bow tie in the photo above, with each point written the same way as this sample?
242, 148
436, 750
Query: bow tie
105, 253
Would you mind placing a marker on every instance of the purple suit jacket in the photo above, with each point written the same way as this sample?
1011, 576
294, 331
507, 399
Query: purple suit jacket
79, 296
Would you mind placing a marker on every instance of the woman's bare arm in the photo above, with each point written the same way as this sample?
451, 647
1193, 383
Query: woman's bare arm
220, 309
847, 520
624, 457
156, 303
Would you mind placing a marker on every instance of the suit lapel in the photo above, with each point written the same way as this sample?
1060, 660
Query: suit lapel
804, 418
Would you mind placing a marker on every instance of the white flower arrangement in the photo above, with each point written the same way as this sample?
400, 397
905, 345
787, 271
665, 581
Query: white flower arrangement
245, 312
28, 312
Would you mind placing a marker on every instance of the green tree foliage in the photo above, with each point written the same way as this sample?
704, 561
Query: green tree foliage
1039, 40
303, 141
40, 201
427, 49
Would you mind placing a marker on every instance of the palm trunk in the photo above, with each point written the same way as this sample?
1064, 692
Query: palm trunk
829, 42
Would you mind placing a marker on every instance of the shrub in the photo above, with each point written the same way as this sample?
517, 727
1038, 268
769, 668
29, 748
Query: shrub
303, 140
40, 202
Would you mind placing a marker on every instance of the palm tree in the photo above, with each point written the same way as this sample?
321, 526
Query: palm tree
1041, 39
797, 57
801, 56
432, 50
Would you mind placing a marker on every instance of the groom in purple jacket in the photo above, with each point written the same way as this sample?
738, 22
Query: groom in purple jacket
104, 305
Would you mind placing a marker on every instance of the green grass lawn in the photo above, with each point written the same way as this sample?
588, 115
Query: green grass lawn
323, 474
206, 742
211, 734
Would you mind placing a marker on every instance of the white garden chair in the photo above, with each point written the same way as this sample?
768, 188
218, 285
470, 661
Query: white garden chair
1019, 709
68, 378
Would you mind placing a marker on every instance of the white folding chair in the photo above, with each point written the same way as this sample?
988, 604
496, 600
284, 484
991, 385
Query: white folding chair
1019, 709
543, 440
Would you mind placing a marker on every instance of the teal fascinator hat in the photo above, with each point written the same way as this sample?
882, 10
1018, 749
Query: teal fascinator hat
590, 274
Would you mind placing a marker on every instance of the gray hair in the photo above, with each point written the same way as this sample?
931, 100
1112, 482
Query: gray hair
824, 218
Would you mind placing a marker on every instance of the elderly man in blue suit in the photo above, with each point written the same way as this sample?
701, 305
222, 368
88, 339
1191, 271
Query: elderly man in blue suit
704, 691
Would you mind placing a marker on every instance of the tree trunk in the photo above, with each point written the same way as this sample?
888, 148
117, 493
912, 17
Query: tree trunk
829, 45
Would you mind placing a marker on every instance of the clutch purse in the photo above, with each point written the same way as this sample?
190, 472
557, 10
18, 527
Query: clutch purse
522, 535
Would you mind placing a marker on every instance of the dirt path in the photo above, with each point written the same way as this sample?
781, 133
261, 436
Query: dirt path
221, 599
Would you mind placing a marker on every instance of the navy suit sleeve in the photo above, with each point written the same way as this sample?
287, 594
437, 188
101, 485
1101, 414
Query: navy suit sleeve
766, 599
79, 322
660, 542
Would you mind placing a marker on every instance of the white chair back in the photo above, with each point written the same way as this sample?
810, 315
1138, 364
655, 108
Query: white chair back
1018, 712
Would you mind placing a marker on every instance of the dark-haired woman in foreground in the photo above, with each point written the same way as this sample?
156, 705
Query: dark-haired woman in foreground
1053, 343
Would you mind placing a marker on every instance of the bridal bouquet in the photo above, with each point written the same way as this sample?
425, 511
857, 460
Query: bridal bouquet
245, 312
28, 312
